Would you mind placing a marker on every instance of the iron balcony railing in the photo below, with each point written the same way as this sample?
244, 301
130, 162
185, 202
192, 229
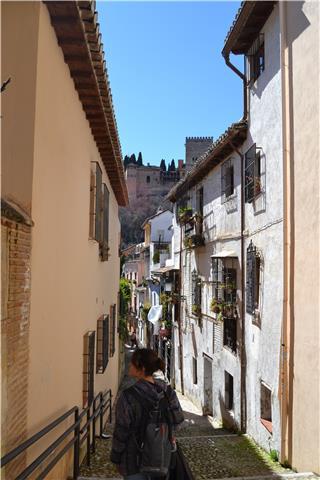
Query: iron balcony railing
101, 404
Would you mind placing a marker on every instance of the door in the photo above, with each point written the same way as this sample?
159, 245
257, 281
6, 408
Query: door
207, 386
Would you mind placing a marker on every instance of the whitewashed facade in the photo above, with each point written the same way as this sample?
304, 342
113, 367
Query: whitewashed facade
240, 384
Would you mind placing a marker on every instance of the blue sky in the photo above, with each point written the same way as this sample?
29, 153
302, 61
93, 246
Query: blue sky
167, 74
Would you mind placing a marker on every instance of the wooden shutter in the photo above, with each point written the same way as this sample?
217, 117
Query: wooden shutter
223, 180
112, 330
229, 182
104, 247
102, 343
98, 209
88, 367
252, 279
249, 185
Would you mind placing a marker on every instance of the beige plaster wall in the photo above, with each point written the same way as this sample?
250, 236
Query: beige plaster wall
303, 30
71, 287
19, 36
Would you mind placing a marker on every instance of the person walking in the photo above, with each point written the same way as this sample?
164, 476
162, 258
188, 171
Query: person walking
133, 411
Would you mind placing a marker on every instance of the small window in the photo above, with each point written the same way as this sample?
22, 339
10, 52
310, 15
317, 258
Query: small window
252, 279
227, 180
252, 186
148, 179
96, 206
256, 59
102, 343
112, 330
266, 407
230, 333
88, 368
228, 392
195, 370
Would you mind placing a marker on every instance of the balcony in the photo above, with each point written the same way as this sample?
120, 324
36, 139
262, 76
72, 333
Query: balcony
193, 232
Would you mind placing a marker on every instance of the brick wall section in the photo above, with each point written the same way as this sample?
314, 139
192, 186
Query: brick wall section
16, 283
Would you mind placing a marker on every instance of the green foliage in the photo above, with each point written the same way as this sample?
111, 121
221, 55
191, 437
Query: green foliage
145, 310
156, 257
172, 166
133, 159
273, 454
196, 309
123, 329
133, 216
165, 300
163, 166
140, 161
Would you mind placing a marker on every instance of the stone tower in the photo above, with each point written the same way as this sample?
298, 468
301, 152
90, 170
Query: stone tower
195, 147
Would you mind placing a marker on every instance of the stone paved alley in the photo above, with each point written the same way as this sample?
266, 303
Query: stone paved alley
210, 452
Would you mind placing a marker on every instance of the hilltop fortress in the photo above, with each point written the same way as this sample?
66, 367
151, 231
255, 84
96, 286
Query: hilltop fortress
150, 180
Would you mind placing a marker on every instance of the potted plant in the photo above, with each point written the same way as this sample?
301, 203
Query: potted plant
196, 309
188, 243
156, 257
184, 214
216, 305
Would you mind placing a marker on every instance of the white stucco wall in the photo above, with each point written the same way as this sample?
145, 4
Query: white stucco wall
221, 228
263, 225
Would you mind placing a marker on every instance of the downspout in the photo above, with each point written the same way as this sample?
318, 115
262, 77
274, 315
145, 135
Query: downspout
243, 369
287, 318
243, 397
179, 316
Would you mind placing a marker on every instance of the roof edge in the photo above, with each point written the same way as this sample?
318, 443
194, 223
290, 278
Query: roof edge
209, 160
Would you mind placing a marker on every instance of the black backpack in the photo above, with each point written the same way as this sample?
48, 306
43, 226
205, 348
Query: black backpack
154, 440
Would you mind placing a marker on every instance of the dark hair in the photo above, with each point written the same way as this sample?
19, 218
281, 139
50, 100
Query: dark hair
147, 359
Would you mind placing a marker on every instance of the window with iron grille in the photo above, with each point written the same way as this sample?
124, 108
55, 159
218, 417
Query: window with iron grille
228, 391
104, 244
195, 370
224, 283
252, 186
96, 206
196, 293
252, 279
112, 337
230, 333
227, 180
199, 201
256, 58
102, 343
88, 368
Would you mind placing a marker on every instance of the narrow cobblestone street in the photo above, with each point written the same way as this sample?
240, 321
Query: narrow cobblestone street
209, 452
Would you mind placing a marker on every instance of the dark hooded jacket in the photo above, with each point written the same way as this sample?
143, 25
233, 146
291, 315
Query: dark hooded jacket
128, 420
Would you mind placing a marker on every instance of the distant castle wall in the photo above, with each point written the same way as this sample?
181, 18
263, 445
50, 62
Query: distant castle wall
150, 180
146, 181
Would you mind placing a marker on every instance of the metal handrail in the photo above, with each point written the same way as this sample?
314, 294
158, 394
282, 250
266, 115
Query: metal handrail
98, 411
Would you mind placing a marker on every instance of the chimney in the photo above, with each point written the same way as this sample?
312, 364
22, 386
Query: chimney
180, 165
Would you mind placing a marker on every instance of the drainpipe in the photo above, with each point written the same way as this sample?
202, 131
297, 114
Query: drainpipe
226, 57
285, 380
243, 370
243, 396
179, 317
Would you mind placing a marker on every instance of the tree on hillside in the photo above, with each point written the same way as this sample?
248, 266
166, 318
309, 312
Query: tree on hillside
132, 217
126, 161
172, 167
140, 161
163, 166
133, 159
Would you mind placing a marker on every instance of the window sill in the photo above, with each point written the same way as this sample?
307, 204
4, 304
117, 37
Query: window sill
229, 349
267, 424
